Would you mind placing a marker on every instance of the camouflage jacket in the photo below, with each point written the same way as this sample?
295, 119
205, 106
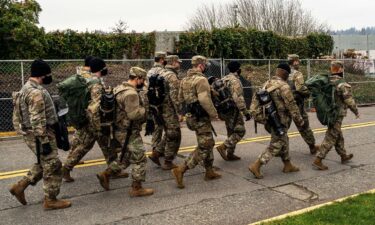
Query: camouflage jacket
37, 109
283, 98
233, 82
297, 84
343, 95
156, 69
173, 86
129, 107
195, 87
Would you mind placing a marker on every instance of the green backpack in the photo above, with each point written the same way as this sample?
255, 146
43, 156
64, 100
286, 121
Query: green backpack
74, 91
323, 95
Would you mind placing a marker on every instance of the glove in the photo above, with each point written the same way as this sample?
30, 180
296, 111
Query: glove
247, 116
46, 149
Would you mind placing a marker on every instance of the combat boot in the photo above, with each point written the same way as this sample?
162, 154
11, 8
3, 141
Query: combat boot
255, 169
289, 167
319, 165
168, 165
222, 149
119, 175
346, 158
103, 178
211, 175
18, 190
155, 157
53, 203
138, 191
314, 149
178, 173
233, 157
66, 175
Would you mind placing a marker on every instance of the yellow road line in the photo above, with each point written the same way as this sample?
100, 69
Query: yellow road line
87, 163
311, 208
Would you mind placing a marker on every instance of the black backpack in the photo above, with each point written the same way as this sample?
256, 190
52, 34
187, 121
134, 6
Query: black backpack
156, 90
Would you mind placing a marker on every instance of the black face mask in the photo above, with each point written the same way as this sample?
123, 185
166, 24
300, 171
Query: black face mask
140, 86
104, 72
47, 79
239, 72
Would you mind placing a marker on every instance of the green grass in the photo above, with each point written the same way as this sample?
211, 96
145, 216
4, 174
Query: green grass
358, 210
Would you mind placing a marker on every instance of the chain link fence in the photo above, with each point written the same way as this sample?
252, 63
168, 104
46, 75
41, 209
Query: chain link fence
14, 73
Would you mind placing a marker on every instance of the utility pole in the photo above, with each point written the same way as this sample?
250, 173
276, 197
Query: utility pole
235, 13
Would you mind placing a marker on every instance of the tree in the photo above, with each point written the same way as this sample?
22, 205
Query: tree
285, 17
120, 27
20, 37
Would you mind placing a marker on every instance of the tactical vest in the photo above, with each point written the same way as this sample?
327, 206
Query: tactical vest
50, 112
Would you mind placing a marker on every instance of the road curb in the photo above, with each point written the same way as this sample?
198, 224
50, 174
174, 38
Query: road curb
309, 209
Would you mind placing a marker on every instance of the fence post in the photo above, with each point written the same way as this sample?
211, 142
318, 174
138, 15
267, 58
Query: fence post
308, 77
22, 74
269, 69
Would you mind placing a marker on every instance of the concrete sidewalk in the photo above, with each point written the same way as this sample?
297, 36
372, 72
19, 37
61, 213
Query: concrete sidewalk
237, 198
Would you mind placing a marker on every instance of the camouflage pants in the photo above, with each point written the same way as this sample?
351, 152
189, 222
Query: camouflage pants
157, 137
83, 141
206, 142
135, 154
307, 134
234, 134
172, 134
279, 146
333, 137
49, 168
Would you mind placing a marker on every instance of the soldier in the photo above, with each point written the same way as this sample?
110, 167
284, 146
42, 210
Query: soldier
300, 93
130, 115
158, 68
84, 138
195, 92
171, 115
234, 122
287, 109
37, 116
334, 136
84, 71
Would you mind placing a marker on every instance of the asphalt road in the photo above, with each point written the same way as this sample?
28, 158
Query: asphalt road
237, 198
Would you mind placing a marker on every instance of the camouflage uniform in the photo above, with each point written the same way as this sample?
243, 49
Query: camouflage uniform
236, 133
287, 109
334, 135
301, 92
194, 87
38, 115
84, 138
157, 139
171, 108
131, 111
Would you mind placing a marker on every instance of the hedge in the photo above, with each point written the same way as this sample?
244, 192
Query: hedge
243, 43
69, 44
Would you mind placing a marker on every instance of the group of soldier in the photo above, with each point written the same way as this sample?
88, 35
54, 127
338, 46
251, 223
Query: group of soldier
191, 96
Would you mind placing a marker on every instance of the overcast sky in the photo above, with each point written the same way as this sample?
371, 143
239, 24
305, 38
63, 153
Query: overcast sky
171, 15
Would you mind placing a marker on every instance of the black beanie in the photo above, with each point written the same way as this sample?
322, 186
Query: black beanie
285, 67
234, 66
87, 60
96, 64
40, 68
